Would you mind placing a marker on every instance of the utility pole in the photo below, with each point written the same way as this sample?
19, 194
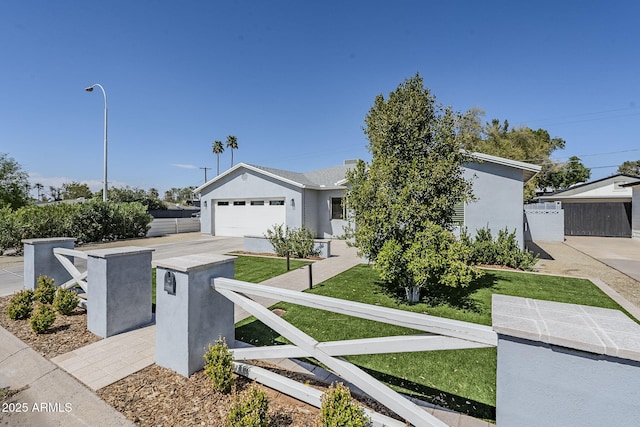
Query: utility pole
205, 173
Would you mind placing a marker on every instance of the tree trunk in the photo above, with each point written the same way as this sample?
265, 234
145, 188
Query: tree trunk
413, 294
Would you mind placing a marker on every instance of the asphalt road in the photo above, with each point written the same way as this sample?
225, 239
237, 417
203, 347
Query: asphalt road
12, 267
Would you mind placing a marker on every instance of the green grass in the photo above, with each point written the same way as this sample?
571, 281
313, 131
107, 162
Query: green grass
463, 380
250, 269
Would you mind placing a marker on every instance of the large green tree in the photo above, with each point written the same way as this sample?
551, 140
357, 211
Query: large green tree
499, 139
630, 167
14, 183
559, 176
75, 190
408, 191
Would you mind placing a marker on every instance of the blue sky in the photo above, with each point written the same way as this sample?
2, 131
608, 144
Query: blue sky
294, 80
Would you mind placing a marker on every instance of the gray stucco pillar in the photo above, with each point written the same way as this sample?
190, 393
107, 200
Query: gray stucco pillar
190, 314
118, 290
565, 365
39, 260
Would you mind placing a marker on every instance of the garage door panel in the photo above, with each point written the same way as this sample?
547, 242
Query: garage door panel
243, 220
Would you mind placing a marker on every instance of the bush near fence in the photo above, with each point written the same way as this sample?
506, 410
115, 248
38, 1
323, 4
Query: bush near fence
91, 221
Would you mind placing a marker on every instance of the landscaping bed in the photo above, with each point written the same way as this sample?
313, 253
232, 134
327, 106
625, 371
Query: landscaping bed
68, 333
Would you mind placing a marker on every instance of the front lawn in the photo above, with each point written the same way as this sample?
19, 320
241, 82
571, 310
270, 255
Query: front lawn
251, 269
463, 380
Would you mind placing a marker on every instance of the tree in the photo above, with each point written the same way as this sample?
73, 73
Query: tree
178, 195
14, 183
411, 186
39, 187
56, 193
218, 149
128, 195
75, 190
560, 176
499, 139
232, 143
630, 167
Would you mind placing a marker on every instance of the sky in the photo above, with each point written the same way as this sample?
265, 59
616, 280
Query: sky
294, 80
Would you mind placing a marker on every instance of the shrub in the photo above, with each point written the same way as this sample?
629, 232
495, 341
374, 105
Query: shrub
251, 411
504, 250
42, 318
65, 301
297, 242
219, 366
20, 306
10, 237
45, 290
338, 409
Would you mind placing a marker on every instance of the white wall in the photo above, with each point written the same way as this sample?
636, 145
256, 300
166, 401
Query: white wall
245, 184
499, 199
635, 212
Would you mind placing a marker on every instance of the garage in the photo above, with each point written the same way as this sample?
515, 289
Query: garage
611, 219
246, 217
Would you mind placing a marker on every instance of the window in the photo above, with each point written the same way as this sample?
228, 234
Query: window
458, 214
223, 203
276, 202
257, 203
239, 203
337, 208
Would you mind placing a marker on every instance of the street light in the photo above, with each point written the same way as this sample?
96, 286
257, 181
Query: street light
104, 187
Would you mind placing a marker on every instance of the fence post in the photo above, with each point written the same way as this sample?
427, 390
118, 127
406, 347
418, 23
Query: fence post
118, 290
190, 314
310, 277
39, 260
565, 364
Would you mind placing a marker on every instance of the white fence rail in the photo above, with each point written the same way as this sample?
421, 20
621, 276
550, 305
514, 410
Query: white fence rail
162, 226
78, 278
451, 334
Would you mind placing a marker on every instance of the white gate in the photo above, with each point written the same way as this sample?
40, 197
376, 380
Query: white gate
442, 334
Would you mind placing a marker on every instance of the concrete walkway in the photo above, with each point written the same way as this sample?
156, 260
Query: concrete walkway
49, 396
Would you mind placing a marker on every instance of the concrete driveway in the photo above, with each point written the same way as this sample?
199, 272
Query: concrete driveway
622, 254
12, 267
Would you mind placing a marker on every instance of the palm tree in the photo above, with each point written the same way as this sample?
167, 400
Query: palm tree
38, 188
218, 148
232, 142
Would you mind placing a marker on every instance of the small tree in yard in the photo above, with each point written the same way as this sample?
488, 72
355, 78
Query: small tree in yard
339, 410
219, 366
412, 184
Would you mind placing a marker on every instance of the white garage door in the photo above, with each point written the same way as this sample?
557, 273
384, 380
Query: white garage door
251, 217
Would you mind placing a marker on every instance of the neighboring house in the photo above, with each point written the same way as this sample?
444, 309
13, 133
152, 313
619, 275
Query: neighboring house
249, 199
597, 208
635, 208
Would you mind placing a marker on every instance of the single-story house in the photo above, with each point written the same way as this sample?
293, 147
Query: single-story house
635, 208
248, 199
597, 208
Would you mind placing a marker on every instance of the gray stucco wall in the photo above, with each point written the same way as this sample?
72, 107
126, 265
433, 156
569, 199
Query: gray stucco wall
246, 184
499, 199
635, 212
310, 214
537, 381
329, 227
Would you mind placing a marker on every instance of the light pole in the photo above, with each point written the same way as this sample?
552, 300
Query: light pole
104, 187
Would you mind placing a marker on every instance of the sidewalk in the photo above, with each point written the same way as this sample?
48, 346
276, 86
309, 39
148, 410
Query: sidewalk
49, 395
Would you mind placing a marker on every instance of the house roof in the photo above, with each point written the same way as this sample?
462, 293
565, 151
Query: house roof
319, 179
334, 177
530, 170
577, 190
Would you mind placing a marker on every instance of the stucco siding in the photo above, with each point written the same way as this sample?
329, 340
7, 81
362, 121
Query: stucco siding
310, 215
498, 191
635, 212
246, 184
329, 227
